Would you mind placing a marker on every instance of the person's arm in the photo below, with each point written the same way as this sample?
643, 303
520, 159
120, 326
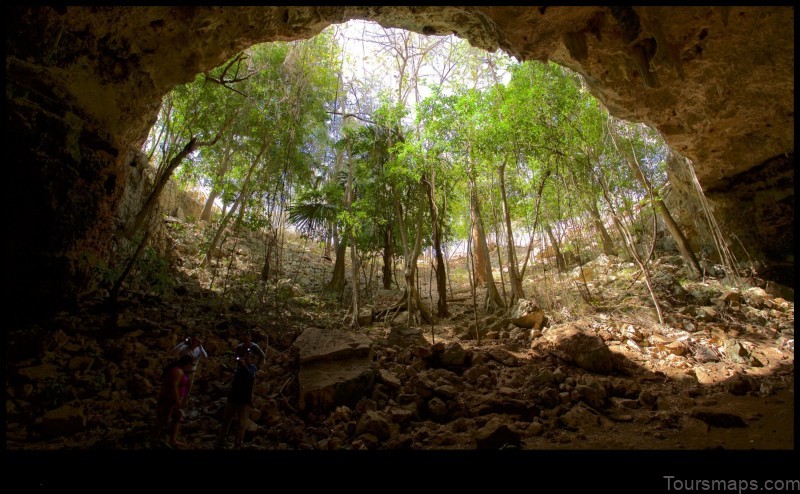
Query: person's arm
179, 348
202, 351
261, 355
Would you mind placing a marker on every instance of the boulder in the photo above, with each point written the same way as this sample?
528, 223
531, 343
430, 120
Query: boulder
577, 346
316, 344
335, 368
526, 314
62, 421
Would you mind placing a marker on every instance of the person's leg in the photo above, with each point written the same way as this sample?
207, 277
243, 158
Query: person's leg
227, 416
244, 420
162, 421
189, 387
177, 418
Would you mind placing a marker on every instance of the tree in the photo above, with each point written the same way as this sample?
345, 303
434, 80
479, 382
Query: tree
493, 301
630, 157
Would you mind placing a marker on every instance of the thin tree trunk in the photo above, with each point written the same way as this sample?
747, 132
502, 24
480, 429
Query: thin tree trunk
223, 224
240, 202
412, 276
683, 244
114, 293
269, 243
162, 132
562, 266
152, 199
388, 256
493, 300
348, 202
726, 256
326, 252
535, 222
337, 282
514, 278
214, 193
632, 250
470, 270
354, 264
441, 275
497, 241
605, 237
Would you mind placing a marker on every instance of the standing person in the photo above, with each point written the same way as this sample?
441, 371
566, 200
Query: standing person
193, 347
240, 399
171, 399
247, 345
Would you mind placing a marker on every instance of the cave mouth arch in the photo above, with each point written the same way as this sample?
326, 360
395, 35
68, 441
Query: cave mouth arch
84, 85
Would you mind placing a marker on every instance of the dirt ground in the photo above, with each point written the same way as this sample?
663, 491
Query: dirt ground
717, 374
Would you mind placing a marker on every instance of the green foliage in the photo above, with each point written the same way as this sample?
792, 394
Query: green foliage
153, 270
107, 274
271, 103
315, 210
283, 148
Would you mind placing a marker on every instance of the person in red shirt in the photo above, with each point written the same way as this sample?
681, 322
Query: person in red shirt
172, 398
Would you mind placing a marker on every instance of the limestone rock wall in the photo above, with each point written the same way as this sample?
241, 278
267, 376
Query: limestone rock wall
84, 85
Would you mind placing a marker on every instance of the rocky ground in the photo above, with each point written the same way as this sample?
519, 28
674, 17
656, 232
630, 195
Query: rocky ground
597, 372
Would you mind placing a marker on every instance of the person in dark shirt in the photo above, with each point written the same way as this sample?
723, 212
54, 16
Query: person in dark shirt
248, 346
240, 399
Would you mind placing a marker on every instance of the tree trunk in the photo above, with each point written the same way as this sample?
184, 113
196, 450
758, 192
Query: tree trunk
388, 256
218, 176
410, 254
478, 259
326, 253
114, 293
355, 281
223, 223
683, 244
152, 199
562, 266
209, 206
497, 241
349, 194
628, 241
270, 245
337, 282
336, 285
605, 237
514, 278
441, 274
493, 299
240, 202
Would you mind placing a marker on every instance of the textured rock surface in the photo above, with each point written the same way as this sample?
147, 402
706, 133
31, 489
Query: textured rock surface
84, 85
335, 368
